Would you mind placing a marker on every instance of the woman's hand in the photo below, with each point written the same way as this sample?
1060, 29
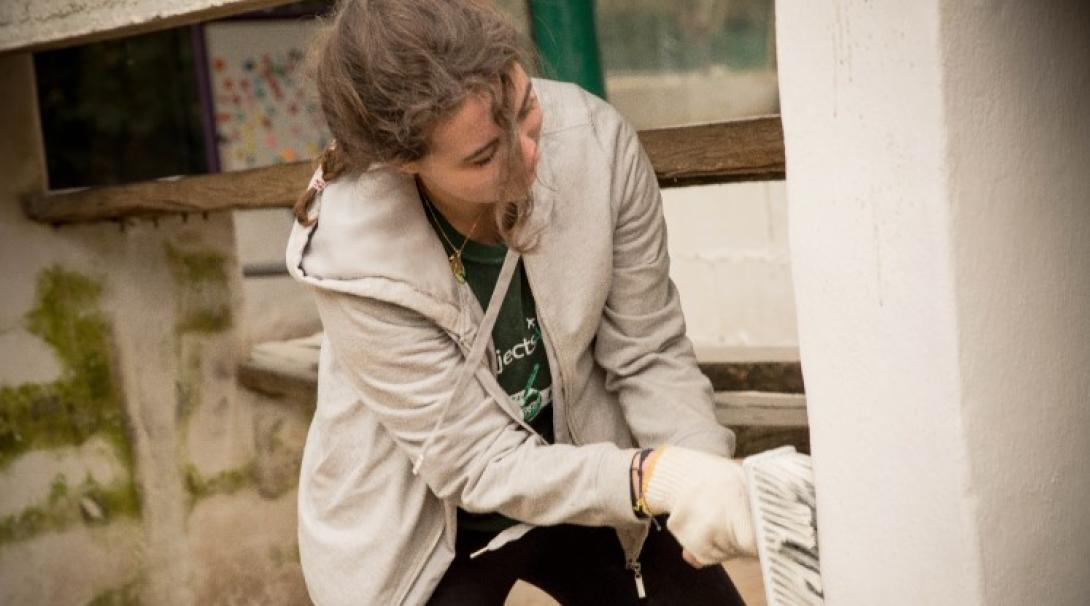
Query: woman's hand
707, 500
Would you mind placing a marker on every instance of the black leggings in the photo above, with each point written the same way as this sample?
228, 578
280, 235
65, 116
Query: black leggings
579, 565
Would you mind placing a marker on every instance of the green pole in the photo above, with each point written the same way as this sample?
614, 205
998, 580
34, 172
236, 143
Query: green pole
567, 42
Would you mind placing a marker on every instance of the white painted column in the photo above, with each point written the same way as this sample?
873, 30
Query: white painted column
938, 161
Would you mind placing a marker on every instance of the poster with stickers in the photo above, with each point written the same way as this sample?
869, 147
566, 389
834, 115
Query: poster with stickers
263, 108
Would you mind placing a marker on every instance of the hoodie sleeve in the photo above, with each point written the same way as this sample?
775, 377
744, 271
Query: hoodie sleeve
404, 368
641, 342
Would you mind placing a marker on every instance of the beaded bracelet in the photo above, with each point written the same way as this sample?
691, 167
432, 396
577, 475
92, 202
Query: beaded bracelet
647, 469
636, 489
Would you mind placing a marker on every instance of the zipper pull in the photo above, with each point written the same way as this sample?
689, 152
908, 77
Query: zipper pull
637, 573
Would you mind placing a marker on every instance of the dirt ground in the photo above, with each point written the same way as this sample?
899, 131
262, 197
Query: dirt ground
746, 574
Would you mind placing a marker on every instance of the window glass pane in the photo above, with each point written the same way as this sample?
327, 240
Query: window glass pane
688, 61
120, 110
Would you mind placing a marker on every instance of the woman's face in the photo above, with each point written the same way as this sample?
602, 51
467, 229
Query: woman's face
465, 165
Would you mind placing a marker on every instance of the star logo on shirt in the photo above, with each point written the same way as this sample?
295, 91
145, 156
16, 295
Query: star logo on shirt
531, 323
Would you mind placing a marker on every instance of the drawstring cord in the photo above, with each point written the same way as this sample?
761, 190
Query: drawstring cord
484, 333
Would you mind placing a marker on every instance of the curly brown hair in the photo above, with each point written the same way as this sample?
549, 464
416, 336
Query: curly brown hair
387, 71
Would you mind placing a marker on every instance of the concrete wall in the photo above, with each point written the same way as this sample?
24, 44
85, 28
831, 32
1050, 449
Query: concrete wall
132, 469
274, 308
729, 259
1016, 82
36, 24
937, 183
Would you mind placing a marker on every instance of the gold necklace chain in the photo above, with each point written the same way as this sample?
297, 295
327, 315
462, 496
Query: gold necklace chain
455, 259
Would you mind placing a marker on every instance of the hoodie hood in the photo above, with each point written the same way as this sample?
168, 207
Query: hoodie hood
371, 237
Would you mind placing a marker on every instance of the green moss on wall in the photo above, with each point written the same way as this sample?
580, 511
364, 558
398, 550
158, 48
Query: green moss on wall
226, 482
86, 399
187, 388
116, 501
201, 276
126, 595
196, 267
32, 521
208, 320
58, 490
90, 502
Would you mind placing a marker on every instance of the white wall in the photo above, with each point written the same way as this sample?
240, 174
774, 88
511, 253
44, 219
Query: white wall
1017, 83
274, 308
938, 171
658, 99
729, 259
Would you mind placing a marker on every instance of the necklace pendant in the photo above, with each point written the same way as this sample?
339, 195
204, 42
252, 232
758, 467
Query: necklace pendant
457, 268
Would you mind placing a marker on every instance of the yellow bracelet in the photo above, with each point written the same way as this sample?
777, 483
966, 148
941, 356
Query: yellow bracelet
649, 468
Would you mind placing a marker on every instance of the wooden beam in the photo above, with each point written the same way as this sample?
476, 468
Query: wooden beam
742, 150
781, 377
272, 186
33, 25
722, 152
752, 439
760, 408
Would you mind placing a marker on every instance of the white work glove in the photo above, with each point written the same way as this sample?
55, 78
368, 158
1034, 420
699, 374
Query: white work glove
708, 504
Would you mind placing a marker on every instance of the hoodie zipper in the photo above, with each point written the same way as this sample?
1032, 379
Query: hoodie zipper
632, 564
637, 574
552, 355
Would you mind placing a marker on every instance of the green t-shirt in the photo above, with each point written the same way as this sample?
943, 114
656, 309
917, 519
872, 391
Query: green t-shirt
521, 363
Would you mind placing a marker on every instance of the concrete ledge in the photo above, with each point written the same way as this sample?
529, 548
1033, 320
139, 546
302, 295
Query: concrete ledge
33, 25
284, 369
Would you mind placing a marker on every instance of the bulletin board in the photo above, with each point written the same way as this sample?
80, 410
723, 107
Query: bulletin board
260, 105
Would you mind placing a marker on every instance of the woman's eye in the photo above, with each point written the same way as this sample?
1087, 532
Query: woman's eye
483, 161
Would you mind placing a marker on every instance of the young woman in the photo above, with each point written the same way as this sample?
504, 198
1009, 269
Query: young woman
505, 386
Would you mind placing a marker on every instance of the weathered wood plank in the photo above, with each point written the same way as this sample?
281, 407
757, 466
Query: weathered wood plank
782, 377
752, 439
33, 25
760, 408
722, 152
272, 186
762, 421
742, 150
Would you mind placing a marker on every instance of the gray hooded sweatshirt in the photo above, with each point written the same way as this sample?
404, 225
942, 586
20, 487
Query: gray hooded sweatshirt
411, 423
